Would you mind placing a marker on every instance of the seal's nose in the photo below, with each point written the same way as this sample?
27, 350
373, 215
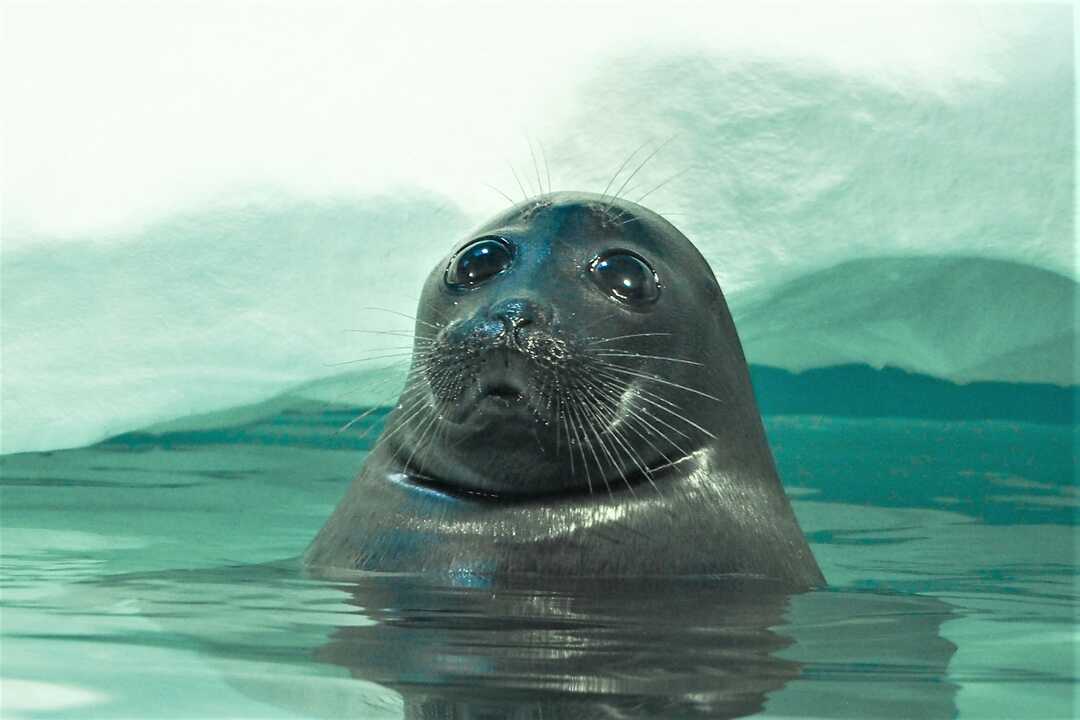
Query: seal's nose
517, 312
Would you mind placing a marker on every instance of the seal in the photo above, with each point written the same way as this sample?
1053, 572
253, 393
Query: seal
578, 404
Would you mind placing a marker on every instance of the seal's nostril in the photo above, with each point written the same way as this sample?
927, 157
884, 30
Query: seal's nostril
513, 322
515, 313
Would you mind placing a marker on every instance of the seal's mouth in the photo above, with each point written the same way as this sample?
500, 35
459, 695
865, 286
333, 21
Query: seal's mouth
502, 391
502, 385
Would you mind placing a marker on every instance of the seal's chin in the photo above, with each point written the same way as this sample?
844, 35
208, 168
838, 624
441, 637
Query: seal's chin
630, 483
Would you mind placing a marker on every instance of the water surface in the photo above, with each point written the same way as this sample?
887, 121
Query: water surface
155, 576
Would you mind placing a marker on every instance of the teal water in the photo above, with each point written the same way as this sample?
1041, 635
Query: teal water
886, 195
154, 576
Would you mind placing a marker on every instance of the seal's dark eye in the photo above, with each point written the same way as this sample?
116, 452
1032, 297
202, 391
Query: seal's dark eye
478, 261
625, 277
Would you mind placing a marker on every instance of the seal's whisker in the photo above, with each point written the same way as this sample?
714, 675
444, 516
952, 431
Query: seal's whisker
546, 393
405, 393
422, 418
359, 418
396, 333
425, 429
644, 162
390, 385
524, 195
579, 431
566, 430
392, 392
621, 168
678, 415
442, 432
585, 329
547, 170
670, 179
365, 433
356, 419
436, 326
672, 411
646, 471
391, 348
416, 416
641, 415
558, 413
374, 380
608, 416
620, 382
429, 307
640, 394
649, 357
553, 395
624, 337
633, 414
636, 456
510, 199
386, 355
400, 359
536, 167
410, 415
595, 421
615, 399
657, 379
644, 411
588, 424
405, 354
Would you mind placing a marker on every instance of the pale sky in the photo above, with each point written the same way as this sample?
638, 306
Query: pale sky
117, 114
199, 198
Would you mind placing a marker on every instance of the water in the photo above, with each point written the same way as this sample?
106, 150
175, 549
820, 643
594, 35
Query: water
155, 576
887, 197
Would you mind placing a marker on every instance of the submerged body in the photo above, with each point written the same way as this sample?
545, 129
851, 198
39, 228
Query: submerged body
578, 404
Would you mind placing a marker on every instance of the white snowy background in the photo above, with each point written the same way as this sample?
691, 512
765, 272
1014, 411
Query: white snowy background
200, 199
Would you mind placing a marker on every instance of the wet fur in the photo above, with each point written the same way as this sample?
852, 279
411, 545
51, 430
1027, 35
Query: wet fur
546, 428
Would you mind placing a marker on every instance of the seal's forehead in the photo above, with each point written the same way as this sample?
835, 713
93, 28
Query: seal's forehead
588, 208
558, 207
587, 218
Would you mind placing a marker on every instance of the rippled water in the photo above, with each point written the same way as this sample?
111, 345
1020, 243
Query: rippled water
152, 576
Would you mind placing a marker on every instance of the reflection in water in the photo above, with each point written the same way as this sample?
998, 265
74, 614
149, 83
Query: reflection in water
569, 649
899, 511
715, 648
348, 645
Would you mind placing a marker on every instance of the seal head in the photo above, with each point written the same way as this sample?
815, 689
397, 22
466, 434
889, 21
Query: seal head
579, 404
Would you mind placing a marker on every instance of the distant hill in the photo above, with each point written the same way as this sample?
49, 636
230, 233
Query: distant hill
958, 318
862, 391
171, 325
317, 412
